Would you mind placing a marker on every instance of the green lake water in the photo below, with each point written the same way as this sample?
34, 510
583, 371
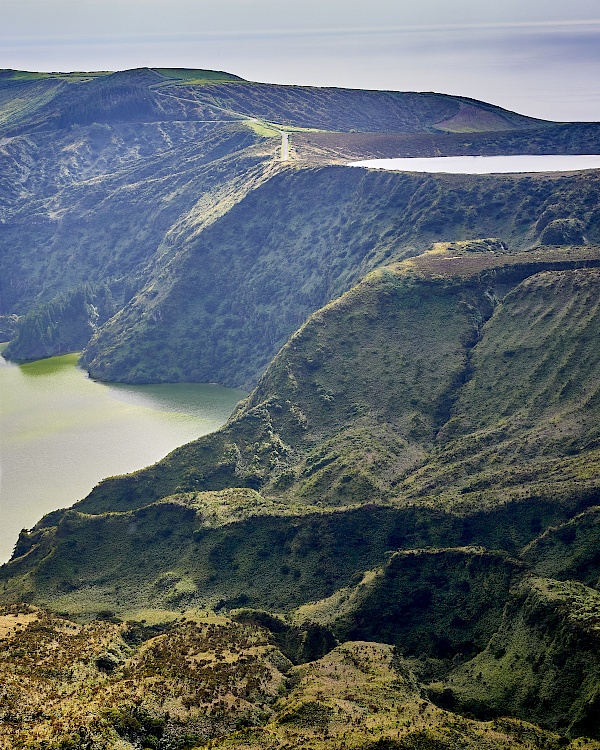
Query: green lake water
61, 433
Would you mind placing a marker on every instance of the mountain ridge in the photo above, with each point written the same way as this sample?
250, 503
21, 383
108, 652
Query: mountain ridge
76, 189
233, 98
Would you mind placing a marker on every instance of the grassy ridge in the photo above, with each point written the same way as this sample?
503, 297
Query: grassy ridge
355, 110
150, 95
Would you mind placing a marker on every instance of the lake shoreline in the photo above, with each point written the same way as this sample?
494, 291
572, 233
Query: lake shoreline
63, 432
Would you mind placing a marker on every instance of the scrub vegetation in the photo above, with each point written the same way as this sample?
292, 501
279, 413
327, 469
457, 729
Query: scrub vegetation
393, 542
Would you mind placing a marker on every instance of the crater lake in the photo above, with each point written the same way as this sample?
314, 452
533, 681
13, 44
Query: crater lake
61, 433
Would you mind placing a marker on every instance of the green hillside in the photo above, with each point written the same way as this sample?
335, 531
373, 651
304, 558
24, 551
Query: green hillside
393, 542
139, 180
221, 308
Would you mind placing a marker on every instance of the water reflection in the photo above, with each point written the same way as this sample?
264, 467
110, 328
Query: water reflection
43, 367
203, 400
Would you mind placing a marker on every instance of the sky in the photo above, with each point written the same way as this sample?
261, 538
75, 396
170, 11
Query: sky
540, 57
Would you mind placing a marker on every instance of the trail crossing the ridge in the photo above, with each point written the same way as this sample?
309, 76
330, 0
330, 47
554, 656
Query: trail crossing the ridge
285, 146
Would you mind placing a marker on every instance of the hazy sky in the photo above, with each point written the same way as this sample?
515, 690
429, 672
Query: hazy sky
540, 57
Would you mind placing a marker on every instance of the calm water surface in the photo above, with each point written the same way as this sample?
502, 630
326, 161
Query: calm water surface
61, 433
485, 164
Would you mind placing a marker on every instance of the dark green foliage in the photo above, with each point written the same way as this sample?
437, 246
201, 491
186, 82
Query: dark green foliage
435, 604
309, 714
137, 725
62, 325
107, 662
570, 551
110, 227
114, 98
301, 644
541, 665
563, 232
162, 555
137, 633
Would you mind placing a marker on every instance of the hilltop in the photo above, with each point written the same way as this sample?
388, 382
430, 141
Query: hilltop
42, 100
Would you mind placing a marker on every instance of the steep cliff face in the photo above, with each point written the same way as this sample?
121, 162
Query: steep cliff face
92, 204
569, 551
237, 289
541, 664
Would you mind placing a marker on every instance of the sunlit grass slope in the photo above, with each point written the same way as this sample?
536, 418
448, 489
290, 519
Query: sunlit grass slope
199, 681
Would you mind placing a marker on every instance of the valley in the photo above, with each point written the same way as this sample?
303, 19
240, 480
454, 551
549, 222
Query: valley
392, 543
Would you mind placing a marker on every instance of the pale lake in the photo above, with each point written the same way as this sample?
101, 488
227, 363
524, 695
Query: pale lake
61, 433
486, 164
